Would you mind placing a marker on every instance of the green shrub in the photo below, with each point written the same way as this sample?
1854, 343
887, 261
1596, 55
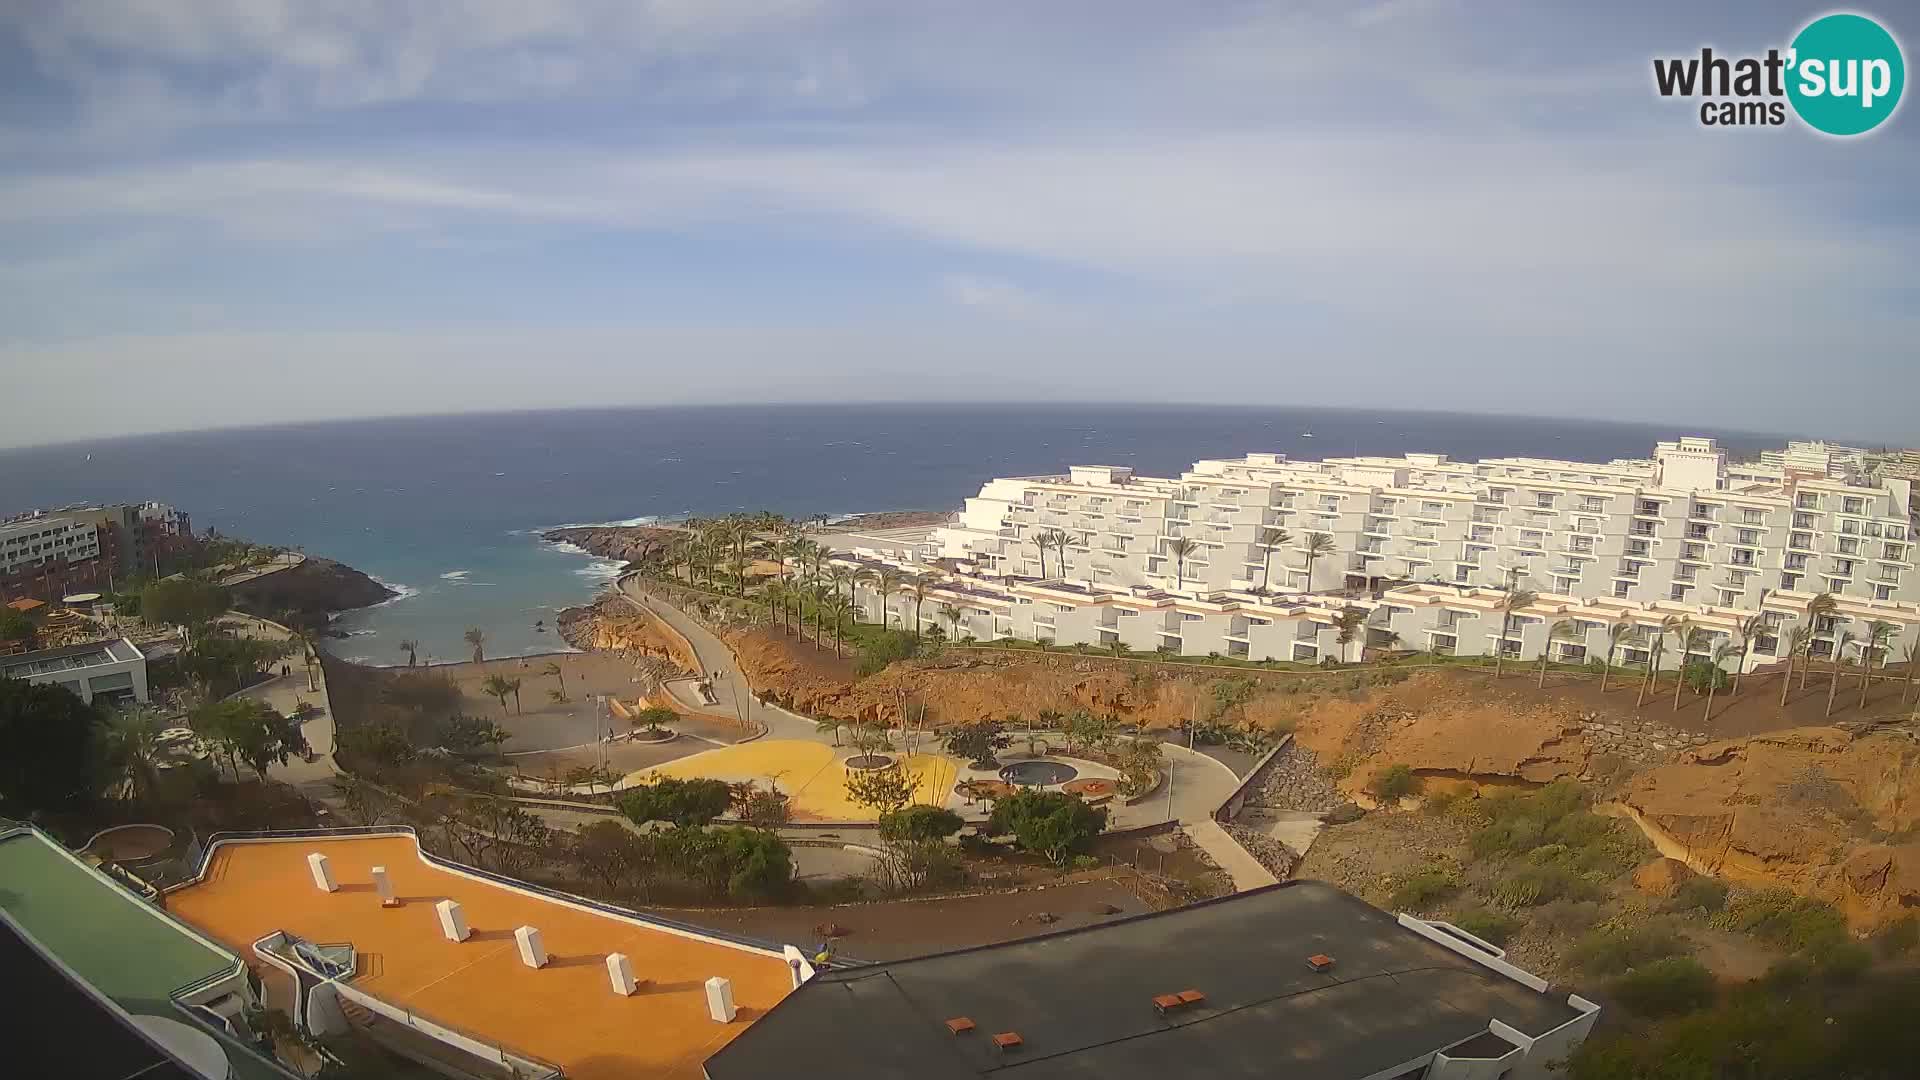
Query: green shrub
1897, 938
1420, 890
1488, 926
1701, 674
1440, 803
682, 802
884, 648
1052, 824
1396, 782
920, 823
1778, 917
1610, 952
1675, 984
1531, 886
1699, 894
1553, 827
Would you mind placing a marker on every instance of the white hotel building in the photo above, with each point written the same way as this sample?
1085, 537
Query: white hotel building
1426, 547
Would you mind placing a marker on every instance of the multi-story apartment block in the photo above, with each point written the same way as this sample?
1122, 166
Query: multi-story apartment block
48, 553
1280, 547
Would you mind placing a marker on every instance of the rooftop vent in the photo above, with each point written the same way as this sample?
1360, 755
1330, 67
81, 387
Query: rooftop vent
1191, 997
1008, 1040
959, 1025
1320, 962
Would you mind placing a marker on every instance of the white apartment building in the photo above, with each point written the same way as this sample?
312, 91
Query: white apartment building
1421, 544
33, 541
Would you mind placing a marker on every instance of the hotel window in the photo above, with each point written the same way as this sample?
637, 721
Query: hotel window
1679, 592
1789, 581
1729, 597
1853, 506
1806, 500
1543, 498
1803, 521
1883, 592
1835, 584
1747, 536
1800, 540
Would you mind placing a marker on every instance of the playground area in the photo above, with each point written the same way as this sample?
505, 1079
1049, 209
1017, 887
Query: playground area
811, 774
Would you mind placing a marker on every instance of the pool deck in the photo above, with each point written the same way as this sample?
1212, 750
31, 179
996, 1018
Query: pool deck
564, 1013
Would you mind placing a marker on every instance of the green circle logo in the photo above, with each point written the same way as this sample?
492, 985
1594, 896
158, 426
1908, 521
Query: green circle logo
1845, 74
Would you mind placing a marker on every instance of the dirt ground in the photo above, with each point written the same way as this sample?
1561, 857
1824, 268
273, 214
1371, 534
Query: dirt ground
895, 929
539, 723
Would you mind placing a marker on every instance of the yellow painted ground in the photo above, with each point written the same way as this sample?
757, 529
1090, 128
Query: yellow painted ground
811, 774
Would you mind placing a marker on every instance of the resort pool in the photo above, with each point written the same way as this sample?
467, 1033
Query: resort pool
1038, 773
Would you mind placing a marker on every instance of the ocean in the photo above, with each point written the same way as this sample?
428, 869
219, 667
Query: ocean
448, 510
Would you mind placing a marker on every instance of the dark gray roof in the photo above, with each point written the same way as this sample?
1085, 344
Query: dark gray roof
1082, 1001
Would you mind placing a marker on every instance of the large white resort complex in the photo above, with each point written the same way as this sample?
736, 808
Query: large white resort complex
1268, 558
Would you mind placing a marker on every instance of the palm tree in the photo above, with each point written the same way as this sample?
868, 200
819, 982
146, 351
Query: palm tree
1655, 650
1692, 638
1617, 631
1840, 643
1879, 637
553, 669
1061, 540
1316, 545
134, 737
822, 592
840, 605
477, 638
1564, 630
1267, 540
885, 580
1913, 662
1512, 602
412, 649
953, 615
1798, 640
1720, 654
1750, 630
497, 686
1349, 622
1820, 606
917, 588
1042, 539
841, 576
1180, 547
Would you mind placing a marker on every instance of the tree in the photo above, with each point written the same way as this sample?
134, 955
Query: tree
1316, 544
1042, 540
1750, 630
1878, 641
1720, 654
184, 601
133, 750
590, 776
1689, 637
884, 790
884, 648
468, 735
376, 744
653, 716
1617, 631
1061, 540
1655, 649
1269, 541
1818, 608
1563, 630
477, 638
1052, 824
613, 855
1349, 622
978, 744
1180, 547
953, 615
1840, 644
250, 732
14, 626
1799, 640
412, 649
559, 675
1509, 604
1139, 760
917, 588
498, 686
681, 802
52, 750
920, 823
884, 581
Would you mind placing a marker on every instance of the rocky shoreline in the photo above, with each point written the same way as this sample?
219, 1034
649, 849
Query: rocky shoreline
626, 543
310, 593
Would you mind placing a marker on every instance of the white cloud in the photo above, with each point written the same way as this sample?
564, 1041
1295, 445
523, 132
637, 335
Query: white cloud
990, 294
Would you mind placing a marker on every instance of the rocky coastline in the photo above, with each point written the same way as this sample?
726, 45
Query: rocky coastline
310, 593
626, 543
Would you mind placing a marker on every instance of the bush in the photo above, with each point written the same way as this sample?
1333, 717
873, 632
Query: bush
1395, 783
920, 823
1897, 938
1531, 886
1780, 918
1676, 984
1423, 889
1489, 926
1052, 824
977, 743
1610, 952
1554, 827
884, 648
681, 802
1700, 674
1699, 894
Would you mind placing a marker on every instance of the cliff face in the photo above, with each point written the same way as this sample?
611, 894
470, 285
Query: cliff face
311, 591
1816, 810
627, 543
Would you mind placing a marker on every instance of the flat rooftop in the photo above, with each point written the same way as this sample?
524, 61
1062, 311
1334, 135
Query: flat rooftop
564, 1013
68, 658
1082, 1001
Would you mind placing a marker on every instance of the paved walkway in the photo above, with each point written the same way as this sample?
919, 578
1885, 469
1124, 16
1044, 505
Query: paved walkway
1228, 855
313, 777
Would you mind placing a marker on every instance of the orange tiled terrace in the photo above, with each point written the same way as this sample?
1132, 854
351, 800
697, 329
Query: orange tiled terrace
564, 1013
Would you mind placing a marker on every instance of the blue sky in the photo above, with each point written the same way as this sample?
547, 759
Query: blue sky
246, 211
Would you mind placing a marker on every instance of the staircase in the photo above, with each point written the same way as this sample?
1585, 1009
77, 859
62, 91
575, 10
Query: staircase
357, 1014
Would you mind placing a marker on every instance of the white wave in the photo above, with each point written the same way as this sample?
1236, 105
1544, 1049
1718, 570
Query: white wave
602, 569
454, 575
358, 659
623, 523
361, 633
401, 592
565, 548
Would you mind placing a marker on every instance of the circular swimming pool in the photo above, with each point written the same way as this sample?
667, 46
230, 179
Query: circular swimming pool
1038, 773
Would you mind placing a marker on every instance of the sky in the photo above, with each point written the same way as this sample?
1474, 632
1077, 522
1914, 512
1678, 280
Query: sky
225, 212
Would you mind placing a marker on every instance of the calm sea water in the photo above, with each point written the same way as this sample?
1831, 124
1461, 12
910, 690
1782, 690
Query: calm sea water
447, 509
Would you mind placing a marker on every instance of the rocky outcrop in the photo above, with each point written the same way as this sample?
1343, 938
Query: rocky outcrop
628, 543
309, 592
1819, 811
611, 624
890, 519
1661, 877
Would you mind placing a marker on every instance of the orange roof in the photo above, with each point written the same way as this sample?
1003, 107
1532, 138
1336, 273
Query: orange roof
564, 1013
26, 603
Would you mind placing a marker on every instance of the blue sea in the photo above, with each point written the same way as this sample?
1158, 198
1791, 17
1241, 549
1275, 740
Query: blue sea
448, 510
